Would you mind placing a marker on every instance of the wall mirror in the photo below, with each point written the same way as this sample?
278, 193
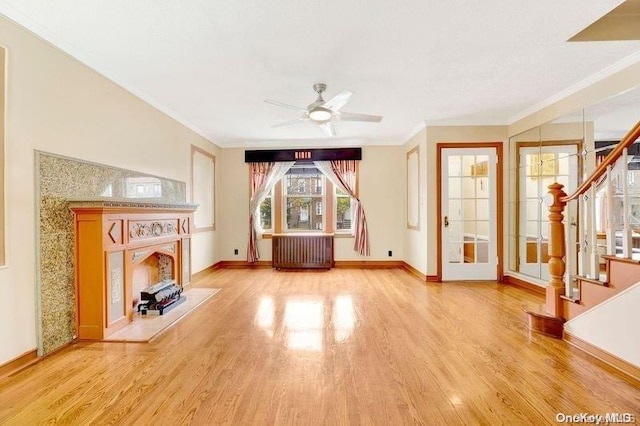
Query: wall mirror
567, 150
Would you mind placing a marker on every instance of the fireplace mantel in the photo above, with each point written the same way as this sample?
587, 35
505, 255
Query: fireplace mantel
112, 238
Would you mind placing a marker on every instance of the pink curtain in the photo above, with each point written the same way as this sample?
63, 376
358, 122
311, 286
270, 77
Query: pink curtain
259, 174
345, 173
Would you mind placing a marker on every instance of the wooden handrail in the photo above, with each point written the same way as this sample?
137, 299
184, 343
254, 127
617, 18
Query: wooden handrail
627, 141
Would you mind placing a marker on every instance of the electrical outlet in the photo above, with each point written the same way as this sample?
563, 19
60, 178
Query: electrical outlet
390, 253
235, 251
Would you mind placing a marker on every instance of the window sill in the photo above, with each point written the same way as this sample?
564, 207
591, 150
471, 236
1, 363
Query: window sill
270, 235
345, 235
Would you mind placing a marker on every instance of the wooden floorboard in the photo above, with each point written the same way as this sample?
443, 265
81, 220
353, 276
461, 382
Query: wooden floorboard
344, 346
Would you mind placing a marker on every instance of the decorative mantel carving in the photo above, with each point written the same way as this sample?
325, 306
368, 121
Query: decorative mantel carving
112, 237
148, 229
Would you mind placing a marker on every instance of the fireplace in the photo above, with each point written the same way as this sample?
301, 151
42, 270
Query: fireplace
121, 248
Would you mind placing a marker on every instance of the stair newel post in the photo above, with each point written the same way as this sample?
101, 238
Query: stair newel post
557, 267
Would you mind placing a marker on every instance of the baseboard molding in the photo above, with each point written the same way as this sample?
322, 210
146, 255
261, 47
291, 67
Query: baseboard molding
413, 271
23, 361
524, 284
369, 264
243, 264
205, 271
432, 279
604, 356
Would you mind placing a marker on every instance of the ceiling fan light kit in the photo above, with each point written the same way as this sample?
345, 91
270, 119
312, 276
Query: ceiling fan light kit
320, 114
325, 112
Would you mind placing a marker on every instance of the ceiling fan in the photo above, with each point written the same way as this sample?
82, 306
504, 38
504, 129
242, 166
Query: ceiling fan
326, 112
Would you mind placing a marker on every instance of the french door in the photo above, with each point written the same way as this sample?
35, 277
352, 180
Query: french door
468, 226
539, 167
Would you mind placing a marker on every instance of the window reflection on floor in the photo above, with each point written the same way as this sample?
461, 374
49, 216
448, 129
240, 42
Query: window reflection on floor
265, 315
343, 318
303, 321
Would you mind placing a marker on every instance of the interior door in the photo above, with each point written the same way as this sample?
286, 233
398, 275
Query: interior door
468, 215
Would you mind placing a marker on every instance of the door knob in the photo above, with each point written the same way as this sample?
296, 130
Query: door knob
446, 221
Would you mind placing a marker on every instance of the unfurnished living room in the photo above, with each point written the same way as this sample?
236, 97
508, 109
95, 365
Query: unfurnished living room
340, 212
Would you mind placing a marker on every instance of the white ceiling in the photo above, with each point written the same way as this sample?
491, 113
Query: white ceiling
211, 64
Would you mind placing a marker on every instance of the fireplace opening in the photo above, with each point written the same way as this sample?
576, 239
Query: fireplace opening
154, 284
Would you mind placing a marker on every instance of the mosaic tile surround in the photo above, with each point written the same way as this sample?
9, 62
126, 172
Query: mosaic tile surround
58, 179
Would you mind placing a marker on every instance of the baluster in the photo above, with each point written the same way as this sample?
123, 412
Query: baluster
591, 233
583, 246
556, 285
570, 247
610, 219
626, 206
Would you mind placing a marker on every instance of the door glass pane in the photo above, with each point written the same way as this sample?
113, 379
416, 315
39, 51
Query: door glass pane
533, 209
531, 187
563, 164
455, 231
544, 229
455, 209
455, 252
469, 230
468, 187
532, 230
454, 165
482, 209
482, 229
469, 167
469, 253
482, 187
454, 188
469, 209
532, 252
482, 253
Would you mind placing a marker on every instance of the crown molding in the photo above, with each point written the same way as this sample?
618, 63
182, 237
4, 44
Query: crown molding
575, 88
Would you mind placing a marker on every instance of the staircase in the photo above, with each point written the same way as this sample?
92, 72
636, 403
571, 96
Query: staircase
620, 274
605, 260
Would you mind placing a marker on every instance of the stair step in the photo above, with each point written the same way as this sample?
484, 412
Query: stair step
573, 299
620, 258
539, 320
592, 281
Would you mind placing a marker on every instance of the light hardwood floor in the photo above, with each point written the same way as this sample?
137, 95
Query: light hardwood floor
335, 347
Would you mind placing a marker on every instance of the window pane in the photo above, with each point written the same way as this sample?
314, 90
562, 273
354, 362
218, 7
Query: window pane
265, 214
302, 214
343, 213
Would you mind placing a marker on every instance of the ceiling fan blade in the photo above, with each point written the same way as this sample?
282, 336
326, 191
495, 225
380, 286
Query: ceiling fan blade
287, 123
328, 128
353, 116
293, 107
338, 101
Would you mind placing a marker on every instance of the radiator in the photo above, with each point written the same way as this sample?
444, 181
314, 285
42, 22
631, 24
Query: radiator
302, 251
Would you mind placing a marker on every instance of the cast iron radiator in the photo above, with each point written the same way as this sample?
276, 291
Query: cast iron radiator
302, 251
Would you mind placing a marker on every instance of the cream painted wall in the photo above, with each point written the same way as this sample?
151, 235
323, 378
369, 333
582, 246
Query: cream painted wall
381, 192
56, 104
612, 325
437, 134
233, 207
416, 249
